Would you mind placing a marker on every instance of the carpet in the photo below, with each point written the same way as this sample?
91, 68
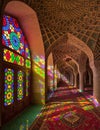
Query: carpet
68, 109
62, 115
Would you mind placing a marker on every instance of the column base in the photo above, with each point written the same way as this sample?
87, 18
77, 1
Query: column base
80, 90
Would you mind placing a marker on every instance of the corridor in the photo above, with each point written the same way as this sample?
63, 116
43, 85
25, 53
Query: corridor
50, 64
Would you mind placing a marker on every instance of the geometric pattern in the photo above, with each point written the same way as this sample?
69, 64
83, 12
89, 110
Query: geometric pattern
20, 85
15, 50
13, 38
72, 119
28, 63
12, 35
27, 83
12, 57
57, 18
9, 87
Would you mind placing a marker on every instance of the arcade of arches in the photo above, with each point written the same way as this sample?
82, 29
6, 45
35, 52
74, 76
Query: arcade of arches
47, 46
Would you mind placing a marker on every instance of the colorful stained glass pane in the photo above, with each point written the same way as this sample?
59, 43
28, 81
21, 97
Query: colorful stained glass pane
11, 57
27, 51
9, 87
12, 35
27, 83
28, 63
20, 88
13, 38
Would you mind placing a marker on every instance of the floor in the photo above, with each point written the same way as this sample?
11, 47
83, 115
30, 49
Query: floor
60, 100
24, 119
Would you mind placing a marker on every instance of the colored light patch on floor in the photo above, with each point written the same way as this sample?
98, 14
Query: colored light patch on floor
88, 107
70, 86
84, 103
93, 100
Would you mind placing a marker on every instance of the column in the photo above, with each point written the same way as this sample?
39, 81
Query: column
71, 79
81, 83
75, 80
96, 80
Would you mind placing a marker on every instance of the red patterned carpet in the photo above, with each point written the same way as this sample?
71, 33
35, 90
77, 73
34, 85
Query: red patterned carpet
68, 109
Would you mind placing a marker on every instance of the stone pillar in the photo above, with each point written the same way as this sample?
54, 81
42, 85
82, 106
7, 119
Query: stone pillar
81, 81
55, 78
81, 70
71, 79
75, 80
96, 79
90, 78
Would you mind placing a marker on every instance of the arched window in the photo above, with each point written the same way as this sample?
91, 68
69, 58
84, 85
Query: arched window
16, 63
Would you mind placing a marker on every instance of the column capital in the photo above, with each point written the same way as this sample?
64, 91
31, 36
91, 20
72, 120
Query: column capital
82, 71
97, 64
82, 68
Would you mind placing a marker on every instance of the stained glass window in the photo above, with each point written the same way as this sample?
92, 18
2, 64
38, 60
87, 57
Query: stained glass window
20, 85
28, 63
11, 57
27, 51
9, 87
15, 51
27, 83
12, 35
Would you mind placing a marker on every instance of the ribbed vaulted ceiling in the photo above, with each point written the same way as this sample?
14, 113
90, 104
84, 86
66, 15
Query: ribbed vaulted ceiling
81, 18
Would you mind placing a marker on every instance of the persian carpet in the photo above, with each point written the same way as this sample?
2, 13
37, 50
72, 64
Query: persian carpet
58, 116
68, 109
